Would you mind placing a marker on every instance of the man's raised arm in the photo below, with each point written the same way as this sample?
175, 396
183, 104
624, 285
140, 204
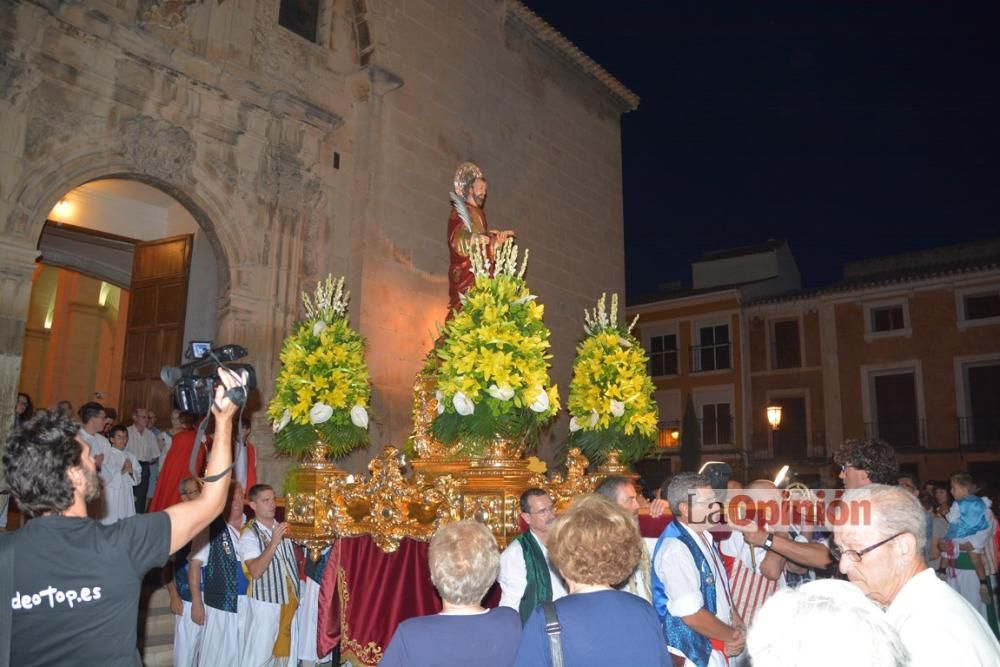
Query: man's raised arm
188, 519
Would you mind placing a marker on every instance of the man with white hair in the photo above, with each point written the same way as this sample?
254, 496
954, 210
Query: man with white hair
880, 544
621, 491
818, 611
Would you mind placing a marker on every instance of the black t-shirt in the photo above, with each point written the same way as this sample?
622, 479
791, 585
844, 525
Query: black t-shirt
77, 585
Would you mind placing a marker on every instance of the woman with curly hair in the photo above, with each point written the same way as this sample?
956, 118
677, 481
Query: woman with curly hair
596, 545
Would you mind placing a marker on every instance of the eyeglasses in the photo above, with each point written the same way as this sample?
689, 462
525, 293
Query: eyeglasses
845, 466
855, 556
545, 510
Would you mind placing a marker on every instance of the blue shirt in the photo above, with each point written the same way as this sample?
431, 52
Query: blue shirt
606, 627
443, 640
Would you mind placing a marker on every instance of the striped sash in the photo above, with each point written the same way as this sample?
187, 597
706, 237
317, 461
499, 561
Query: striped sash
271, 586
750, 590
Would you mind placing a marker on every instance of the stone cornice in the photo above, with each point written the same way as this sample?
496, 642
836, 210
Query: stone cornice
552, 37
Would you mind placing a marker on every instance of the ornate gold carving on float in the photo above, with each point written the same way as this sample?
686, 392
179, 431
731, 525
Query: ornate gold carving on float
308, 511
564, 488
489, 486
424, 410
387, 506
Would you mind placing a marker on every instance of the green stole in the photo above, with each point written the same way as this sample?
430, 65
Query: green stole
538, 585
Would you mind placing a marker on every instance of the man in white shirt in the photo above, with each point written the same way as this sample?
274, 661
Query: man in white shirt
691, 590
884, 557
92, 422
525, 561
272, 634
142, 443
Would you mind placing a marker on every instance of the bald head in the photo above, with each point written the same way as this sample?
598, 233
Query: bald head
761, 485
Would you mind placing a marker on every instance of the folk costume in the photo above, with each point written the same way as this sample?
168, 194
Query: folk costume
309, 609
526, 576
272, 635
688, 575
227, 609
187, 633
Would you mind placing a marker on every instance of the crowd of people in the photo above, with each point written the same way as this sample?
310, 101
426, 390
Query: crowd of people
911, 583
588, 589
74, 571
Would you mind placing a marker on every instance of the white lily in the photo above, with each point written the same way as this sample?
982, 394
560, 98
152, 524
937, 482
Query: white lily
624, 342
320, 413
541, 402
504, 393
319, 327
574, 425
440, 400
359, 417
463, 405
594, 418
617, 408
286, 416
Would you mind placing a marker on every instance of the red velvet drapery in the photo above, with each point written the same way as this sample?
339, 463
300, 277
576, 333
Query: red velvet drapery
366, 593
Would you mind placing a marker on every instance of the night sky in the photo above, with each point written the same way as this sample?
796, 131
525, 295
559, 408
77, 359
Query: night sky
851, 129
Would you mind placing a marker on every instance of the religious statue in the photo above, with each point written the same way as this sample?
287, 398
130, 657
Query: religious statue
467, 227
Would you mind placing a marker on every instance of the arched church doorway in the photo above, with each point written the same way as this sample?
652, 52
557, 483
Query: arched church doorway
126, 280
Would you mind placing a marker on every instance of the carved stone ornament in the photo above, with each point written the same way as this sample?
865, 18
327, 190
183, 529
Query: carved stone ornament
158, 149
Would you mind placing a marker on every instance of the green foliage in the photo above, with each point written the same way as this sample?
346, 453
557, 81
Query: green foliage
340, 439
595, 445
478, 430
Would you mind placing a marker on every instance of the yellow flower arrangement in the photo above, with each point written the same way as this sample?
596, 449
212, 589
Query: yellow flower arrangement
611, 402
323, 391
492, 368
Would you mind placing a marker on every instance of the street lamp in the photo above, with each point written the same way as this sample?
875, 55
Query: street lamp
774, 416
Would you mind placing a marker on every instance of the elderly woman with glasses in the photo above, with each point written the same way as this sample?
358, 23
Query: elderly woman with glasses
596, 545
879, 539
464, 563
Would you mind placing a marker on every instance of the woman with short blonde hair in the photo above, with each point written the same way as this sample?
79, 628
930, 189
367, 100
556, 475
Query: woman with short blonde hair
596, 545
464, 563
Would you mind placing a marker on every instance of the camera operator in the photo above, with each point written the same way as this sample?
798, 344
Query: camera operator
76, 583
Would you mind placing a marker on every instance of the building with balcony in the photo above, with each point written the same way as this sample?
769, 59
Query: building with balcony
904, 348
696, 343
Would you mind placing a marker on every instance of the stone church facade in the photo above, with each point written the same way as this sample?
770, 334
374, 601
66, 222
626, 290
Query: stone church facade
302, 157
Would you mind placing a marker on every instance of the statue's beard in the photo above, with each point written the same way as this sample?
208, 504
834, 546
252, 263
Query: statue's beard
480, 200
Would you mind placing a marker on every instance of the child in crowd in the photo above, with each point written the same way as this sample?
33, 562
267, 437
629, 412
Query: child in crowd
967, 524
120, 471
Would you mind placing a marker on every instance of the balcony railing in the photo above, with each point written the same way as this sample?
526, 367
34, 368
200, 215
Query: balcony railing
669, 434
979, 432
901, 434
710, 357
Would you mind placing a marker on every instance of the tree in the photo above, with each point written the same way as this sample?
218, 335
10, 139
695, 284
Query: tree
690, 439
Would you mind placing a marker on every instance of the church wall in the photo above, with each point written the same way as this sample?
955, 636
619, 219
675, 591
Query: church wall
240, 121
481, 89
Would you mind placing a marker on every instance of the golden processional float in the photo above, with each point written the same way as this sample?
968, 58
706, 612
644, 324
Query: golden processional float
478, 404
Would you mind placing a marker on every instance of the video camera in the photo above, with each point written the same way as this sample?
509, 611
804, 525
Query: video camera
194, 389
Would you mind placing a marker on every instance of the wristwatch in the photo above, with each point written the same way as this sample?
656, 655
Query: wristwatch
768, 542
